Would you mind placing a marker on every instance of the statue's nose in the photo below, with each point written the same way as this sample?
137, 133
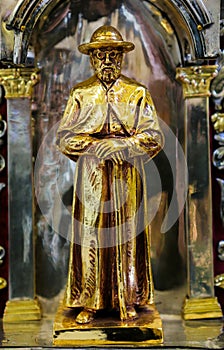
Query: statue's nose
107, 58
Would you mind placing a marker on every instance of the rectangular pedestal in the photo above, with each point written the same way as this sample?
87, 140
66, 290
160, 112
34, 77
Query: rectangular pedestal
107, 329
201, 308
20, 310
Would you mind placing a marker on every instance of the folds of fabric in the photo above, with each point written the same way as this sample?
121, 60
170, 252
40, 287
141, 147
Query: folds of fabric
110, 250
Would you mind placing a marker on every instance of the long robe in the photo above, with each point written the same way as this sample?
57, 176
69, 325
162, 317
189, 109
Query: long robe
109, 265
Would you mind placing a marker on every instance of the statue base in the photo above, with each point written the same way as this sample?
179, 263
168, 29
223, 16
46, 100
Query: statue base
20, 310
107, 329
201, 308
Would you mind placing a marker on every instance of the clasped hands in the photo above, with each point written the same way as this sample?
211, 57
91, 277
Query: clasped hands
111, 149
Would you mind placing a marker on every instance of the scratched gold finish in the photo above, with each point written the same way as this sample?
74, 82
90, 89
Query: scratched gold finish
110, 128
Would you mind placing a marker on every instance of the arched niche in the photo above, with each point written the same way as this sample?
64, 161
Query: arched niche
189, 18
167, 34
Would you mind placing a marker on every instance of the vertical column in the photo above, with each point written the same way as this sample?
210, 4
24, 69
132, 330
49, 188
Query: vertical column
22, 304
200, 301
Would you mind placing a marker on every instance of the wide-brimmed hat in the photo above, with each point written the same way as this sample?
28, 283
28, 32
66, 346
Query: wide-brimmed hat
106, 36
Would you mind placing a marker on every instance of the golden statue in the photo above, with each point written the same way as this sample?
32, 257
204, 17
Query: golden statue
110, 128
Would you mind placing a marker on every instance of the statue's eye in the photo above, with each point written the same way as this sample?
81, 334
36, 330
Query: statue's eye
100, 55
113, 54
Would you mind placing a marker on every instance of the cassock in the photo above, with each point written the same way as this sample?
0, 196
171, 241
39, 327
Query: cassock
109, 266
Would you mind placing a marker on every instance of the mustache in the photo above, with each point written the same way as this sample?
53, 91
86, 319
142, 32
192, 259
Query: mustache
111, 66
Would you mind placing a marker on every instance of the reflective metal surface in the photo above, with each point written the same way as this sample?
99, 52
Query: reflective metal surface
64, 27
2, 163
217, 146
200, 301
221, 250
2, 254
203, 334
194, 18
108, 331
110, 128
2, 185
221, 184
3, 127
218, 118
61, 68
54, 222
18, 84
3, 283
21, 200
196, 81
199, 205
218, 158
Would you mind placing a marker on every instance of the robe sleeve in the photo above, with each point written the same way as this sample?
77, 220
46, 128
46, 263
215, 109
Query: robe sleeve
71, 144
147, 139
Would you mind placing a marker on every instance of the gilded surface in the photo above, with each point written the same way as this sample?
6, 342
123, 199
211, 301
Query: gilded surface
196, 80
200, 301
18, 82
109, 331
218, 122
110, 129
20, 310
201, 308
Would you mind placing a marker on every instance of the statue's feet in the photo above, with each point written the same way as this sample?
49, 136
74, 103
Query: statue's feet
85, 316
131, 313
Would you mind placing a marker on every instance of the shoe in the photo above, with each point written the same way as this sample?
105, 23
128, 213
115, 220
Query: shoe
85, 316
131, 313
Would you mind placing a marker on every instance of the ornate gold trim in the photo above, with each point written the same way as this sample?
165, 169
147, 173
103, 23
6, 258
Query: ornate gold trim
3, 283
20, 310
196, 80
201, 308
218, 121
219, 281
18, 82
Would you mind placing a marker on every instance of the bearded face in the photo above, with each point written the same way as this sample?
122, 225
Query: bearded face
106, 63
